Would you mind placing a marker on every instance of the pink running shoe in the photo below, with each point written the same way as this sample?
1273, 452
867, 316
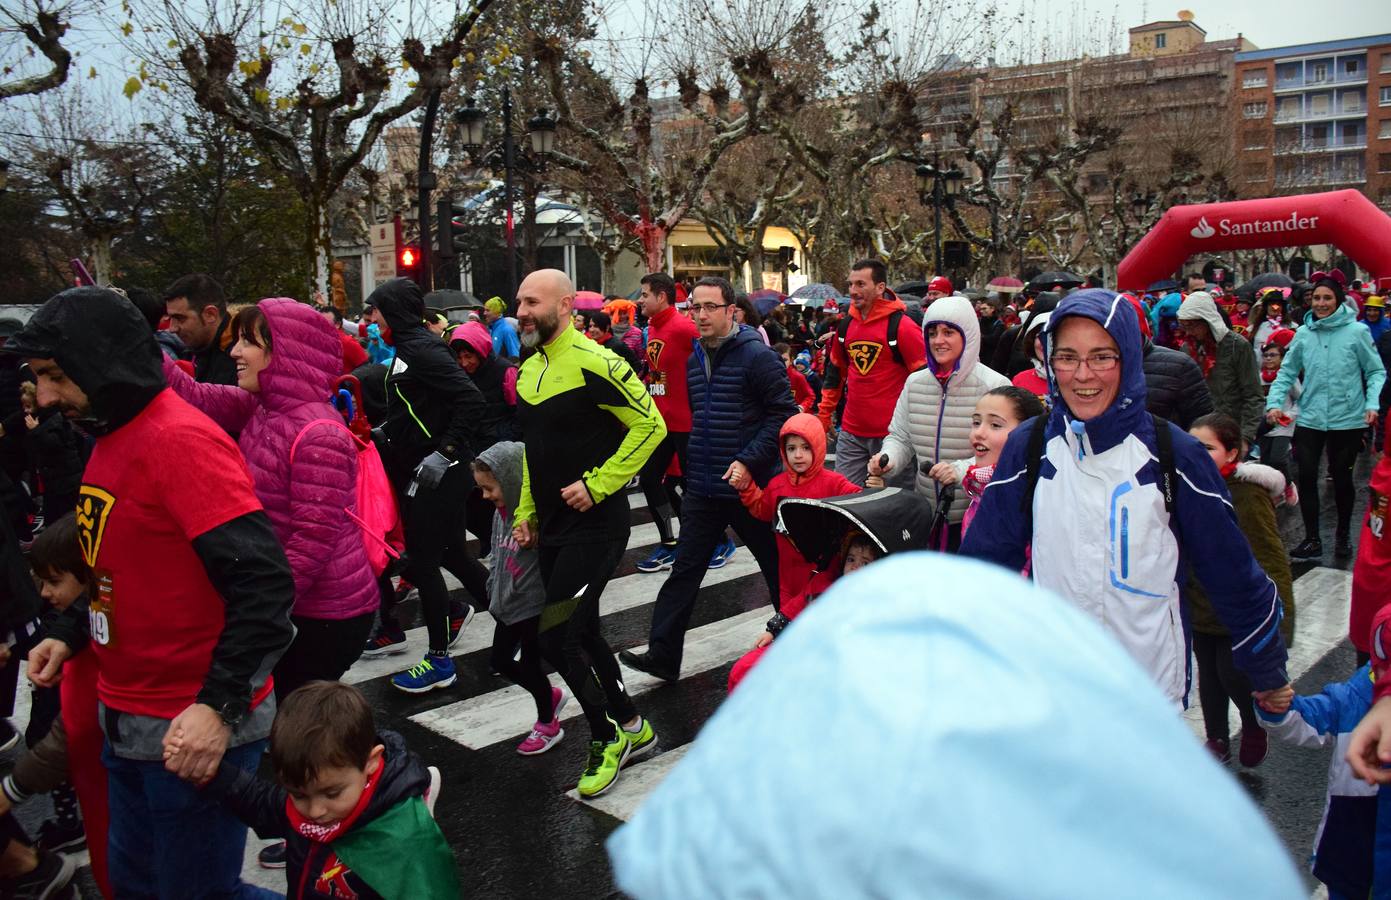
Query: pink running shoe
545, 736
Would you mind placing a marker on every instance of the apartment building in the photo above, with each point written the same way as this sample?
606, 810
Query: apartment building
1315, 117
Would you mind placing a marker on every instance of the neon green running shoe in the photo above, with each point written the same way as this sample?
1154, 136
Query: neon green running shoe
643, 741
601, 773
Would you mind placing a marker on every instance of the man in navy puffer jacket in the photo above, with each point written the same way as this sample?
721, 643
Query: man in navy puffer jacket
739, 397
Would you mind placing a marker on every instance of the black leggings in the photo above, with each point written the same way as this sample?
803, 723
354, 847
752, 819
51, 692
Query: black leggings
575, 575
527, 672
1219, 680
663, 501
1343, 447
323, 649
435, 537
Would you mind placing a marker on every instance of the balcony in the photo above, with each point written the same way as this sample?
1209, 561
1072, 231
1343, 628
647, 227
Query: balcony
1283, 117
1320, 179
1314, 145
1287, 85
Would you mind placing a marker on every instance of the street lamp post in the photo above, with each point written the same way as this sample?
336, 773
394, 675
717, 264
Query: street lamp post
542, 131
425, 185
938, 187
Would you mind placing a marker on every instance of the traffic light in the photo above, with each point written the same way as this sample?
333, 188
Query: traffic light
408, 261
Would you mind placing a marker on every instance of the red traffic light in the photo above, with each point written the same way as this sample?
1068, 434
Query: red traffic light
408, 257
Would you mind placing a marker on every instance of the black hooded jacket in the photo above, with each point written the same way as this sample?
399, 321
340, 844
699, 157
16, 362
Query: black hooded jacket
1011, 356
261, 806
104, 345
431, 403
1174, 386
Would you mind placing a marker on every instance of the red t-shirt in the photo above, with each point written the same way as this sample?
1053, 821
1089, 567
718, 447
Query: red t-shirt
802, 394
151, 487
353, 354
671, 338
869, 372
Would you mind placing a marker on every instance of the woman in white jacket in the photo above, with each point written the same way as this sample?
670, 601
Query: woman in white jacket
932, 420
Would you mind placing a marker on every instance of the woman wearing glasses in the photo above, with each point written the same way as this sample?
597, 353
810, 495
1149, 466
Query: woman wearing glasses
1086, 489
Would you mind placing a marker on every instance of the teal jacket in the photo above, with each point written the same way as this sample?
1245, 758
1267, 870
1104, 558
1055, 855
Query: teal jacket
1342, 373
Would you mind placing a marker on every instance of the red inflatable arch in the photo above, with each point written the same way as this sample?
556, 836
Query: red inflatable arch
1345, 218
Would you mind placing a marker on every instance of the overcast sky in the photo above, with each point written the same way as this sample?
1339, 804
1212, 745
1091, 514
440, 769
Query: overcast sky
1273, 23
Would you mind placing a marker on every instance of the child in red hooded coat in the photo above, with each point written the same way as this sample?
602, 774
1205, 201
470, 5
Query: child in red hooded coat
1371, 572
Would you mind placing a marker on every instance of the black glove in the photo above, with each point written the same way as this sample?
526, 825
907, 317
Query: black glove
431, 471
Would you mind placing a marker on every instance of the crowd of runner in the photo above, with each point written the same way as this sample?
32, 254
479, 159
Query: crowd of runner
223, 508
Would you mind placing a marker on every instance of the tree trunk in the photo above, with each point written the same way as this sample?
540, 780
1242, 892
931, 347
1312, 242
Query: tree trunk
654, 247
101, 259
756, 261
610, 276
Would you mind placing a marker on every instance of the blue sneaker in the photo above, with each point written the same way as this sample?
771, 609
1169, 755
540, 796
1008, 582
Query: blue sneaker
433, 672
722, 554
661, 559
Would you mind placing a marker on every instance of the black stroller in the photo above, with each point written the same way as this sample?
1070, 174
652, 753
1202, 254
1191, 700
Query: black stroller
893, 518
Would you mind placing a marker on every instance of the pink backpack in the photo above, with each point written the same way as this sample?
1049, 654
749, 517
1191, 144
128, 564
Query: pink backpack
383, 536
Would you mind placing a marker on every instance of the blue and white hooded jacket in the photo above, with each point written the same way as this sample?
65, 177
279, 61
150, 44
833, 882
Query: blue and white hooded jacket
1101, 537
1343, 845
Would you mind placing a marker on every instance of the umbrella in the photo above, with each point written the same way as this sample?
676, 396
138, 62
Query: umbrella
1005, 284
589, 300
1046, 280
1269, 279
448, 298
895, 519
911, 287
1163, 287
764, 300
815, 293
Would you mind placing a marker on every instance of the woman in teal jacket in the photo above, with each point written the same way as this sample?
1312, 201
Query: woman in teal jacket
1342, 376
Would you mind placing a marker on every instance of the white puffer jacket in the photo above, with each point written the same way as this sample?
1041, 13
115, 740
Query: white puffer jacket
934, 425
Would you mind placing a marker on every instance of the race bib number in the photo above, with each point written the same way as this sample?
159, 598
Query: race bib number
1376, 520
657, 389
101, 609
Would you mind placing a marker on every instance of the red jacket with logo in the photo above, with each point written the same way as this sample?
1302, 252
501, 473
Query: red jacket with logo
1369, 620
670, 339
869, 371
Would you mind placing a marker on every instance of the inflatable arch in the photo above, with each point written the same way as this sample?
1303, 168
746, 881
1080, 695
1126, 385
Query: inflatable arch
1345, 218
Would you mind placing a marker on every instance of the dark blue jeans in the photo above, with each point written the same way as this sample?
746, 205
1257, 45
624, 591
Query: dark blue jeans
167, 840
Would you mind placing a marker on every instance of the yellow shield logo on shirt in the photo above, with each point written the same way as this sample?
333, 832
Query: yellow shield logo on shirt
93, 509
863, 354
654, 352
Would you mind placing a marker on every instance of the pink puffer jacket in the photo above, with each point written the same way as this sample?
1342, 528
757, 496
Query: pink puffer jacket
305, 503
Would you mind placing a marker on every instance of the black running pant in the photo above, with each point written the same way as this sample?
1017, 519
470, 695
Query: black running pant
1220, 681
1342, 447
575, 576
323, 649
663, 501
526, 673
435, 537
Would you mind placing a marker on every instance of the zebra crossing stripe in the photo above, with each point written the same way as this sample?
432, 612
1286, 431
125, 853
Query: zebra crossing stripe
636, 782
509, 712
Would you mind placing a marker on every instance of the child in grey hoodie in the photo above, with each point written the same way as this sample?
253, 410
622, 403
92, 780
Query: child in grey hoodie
517, 595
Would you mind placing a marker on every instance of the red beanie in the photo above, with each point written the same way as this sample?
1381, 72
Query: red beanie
940, 283
1280, 337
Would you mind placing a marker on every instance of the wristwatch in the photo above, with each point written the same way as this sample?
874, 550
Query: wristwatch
231, 713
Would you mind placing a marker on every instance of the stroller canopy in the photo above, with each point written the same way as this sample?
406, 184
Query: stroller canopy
895, 519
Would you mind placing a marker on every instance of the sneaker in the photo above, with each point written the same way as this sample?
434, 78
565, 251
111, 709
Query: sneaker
432, 790
458, 623
9, 735
1311, 548
1342, 546
432, 672
272, 855
1254, 746
385, 642
1221, 748
661, 559
644, 740
543, 735
61, 837
644, 662
605, 760
49, 878
405, 591
722, 554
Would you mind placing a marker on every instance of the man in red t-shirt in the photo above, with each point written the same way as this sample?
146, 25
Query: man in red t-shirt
191, 605
871, 365
670, 339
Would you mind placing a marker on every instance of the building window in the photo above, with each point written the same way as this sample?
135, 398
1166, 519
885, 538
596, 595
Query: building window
1160, 40
1318, 72
1385, 96
1352, 66
1384, 163
1256, 139
1385, 130
1318, 105
1352, 101
1256, 110
1254, 78
1385, 63
1254, 173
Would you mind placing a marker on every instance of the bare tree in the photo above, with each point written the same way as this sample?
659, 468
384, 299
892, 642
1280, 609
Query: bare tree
748, 194
42, 27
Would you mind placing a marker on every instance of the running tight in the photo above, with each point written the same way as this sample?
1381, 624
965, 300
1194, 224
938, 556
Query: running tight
435, 537
526, 673
663, 501
1342, 447
1221, 682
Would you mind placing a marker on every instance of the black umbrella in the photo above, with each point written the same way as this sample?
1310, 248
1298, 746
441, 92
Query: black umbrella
912, 287
1046, 280
1164, 286
895, 519
1269, 279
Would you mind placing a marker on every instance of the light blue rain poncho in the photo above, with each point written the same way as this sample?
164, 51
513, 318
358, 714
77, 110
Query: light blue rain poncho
979, 740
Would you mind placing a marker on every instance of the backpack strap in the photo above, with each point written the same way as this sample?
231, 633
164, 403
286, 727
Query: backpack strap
891, 335
1033, 463
305, 430
1164, 442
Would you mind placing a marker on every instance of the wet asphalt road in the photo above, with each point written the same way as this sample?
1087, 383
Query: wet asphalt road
517, 835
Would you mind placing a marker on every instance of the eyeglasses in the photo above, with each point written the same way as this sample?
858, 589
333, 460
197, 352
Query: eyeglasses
708, 309
1097, 362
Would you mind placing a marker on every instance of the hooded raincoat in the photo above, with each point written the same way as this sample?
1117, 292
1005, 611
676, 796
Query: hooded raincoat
1233, 379
1100, 532
514, 576
817, 482
947, 808
1342, 373
932, 419
496, 378
309, 501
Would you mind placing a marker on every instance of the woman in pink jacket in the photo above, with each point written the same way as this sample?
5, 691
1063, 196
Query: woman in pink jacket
288, 360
